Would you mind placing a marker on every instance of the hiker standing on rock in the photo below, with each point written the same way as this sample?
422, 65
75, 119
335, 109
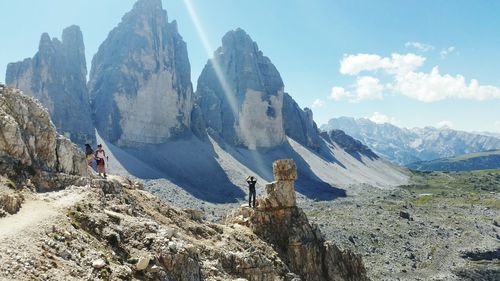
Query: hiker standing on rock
251, 188
99, 156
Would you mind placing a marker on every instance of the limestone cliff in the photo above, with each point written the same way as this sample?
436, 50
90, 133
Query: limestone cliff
57, 76
140, 80
29, 142
240, 93
278, 221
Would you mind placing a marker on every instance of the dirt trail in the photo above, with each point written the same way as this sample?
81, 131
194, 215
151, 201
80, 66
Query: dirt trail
37, 212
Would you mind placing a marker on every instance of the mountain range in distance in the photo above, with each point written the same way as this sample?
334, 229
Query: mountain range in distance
486, 160
405, 146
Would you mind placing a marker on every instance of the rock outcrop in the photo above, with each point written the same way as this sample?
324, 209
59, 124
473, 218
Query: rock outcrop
301, 245
10, 200
57, 77
140, 81
241, 94
29, 142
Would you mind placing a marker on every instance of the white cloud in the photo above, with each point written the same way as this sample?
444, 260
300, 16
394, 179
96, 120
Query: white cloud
397, 63
318, 103
368, 88
408, 81
434, 86
445, 124
419, 46
380, 118
445, 52
339, 93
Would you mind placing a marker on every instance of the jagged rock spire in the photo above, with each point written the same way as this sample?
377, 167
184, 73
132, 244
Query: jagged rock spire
57, 77
140, 81
243, 101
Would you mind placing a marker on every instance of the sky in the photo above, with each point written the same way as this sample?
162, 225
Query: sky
410, 63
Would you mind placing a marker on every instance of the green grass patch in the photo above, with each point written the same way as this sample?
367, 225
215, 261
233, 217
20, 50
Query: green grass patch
473, 155
11, 184
457, 188
421, 200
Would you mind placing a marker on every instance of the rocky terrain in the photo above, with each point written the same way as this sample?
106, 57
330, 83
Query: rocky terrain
57, 76
443, 226
466, 162
404, 146
88, 228
440, 227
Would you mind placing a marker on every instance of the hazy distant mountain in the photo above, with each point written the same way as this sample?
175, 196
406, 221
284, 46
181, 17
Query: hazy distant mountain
489, 134
404, 146
466, 162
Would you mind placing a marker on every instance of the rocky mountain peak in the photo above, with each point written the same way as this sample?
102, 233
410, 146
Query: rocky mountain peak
256, 69
56, 76
148, 5
140, 80
146, 9
45, 41
239, 40
248, 110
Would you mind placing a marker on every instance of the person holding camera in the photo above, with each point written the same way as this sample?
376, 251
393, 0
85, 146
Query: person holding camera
251, 188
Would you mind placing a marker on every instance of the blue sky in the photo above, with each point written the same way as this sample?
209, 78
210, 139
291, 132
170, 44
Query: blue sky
387, 50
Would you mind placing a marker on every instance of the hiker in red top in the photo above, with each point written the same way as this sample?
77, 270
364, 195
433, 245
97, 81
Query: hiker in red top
99, 156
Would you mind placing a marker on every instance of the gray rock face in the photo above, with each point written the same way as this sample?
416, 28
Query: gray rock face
350, 145
140, 80
299, 124
405, 146
56, 76
28, 138
241, 94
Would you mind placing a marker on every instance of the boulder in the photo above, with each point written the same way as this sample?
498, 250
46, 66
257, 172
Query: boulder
142, 263
98, 264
